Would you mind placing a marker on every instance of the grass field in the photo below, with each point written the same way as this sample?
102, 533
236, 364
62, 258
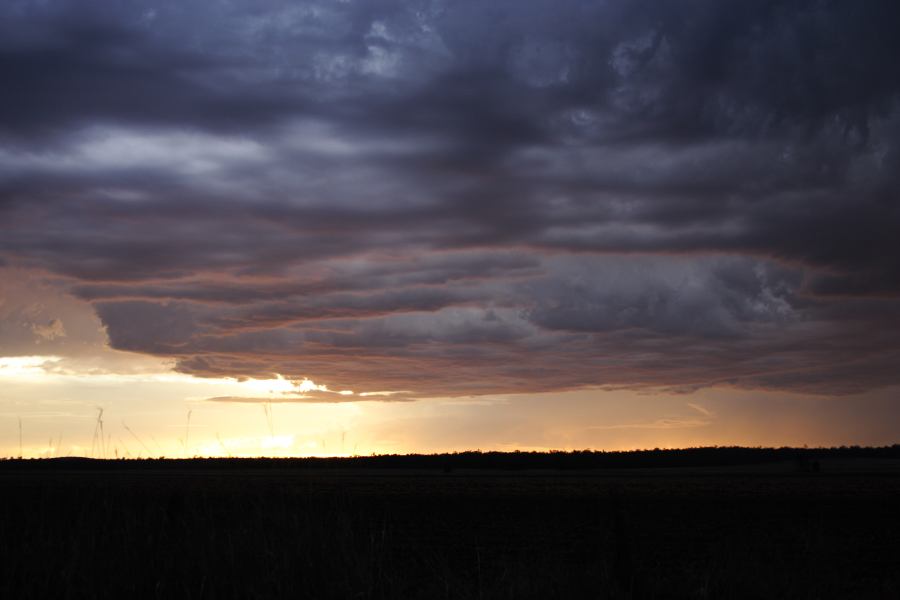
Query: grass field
196, 530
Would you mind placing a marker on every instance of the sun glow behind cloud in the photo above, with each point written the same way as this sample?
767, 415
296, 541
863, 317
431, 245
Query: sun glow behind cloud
146, 414
46, 369
25, 367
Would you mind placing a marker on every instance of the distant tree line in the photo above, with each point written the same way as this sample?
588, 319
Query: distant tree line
715, 456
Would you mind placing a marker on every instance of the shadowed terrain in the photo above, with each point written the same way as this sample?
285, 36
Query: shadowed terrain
792, 523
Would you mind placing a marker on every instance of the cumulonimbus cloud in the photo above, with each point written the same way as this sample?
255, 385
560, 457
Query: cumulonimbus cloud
438, 198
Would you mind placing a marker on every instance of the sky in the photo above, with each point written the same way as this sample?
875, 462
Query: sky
239, 228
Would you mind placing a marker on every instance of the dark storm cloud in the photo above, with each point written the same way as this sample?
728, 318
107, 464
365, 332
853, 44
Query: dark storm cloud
451, 198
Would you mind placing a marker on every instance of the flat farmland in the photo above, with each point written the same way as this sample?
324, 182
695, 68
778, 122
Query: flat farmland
182, 530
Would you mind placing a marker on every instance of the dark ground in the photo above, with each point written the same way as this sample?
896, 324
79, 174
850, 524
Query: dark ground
821, 527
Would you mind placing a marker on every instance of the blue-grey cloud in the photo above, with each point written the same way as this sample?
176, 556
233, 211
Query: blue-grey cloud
451, 198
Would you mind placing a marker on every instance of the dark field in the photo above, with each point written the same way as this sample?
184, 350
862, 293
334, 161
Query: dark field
263, 529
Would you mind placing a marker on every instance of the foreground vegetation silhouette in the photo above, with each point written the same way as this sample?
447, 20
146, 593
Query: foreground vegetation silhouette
696, 523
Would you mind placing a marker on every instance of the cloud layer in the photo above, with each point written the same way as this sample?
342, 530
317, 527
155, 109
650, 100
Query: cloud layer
449, 198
